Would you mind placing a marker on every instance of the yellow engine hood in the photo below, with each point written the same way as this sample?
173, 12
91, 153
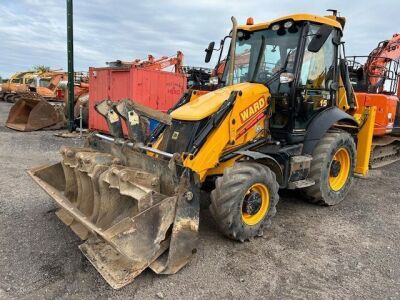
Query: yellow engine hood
208, 104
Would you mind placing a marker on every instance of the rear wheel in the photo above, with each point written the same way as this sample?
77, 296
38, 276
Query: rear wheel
244, 200
332, 169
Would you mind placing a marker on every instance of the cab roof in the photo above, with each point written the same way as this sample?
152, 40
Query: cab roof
329, 20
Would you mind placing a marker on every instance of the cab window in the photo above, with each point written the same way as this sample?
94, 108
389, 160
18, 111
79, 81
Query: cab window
16, 80
242, 60
316, 76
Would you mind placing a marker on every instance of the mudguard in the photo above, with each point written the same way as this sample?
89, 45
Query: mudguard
321, 124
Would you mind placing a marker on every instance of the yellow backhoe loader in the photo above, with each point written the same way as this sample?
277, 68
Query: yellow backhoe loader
283, 117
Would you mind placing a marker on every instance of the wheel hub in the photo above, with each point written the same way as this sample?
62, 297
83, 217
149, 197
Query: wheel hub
339, 170
252, 203
335, 168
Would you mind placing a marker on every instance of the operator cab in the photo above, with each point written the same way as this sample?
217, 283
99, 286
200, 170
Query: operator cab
297, 61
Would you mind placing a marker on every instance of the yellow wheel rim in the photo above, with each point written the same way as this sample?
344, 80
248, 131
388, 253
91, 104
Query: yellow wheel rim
255, 204
339, 169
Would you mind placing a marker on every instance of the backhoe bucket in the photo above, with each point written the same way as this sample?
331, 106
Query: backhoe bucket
34, 113
133, 210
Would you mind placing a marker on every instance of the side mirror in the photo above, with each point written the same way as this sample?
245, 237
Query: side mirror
320, 38
286, 77
209, 52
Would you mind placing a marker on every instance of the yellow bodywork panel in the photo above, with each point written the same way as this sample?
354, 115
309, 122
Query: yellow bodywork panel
205, 105
297, 17
366, 121
245, 122
342, 102
219, 169
364, 137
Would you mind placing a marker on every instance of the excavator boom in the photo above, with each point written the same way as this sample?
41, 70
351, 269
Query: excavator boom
376, 83
379, 59
154, 64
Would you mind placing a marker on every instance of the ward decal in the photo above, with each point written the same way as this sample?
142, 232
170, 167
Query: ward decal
252, 109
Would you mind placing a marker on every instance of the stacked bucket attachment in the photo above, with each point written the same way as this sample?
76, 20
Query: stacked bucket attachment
32, 112
133, 210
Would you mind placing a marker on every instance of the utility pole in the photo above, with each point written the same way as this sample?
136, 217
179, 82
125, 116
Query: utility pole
70, 49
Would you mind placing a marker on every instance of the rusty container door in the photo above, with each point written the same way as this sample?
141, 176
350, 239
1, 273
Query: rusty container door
99, 86
106, 83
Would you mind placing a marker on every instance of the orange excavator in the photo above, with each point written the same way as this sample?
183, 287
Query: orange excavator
376, 83
48, 85
154, 64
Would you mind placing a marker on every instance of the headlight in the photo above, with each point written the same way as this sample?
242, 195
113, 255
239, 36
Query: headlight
213, 80
288, 24
275, 27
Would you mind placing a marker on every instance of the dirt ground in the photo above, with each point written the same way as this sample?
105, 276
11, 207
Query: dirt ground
348, 251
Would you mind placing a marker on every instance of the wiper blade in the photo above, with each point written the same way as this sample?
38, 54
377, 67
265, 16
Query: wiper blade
275, 76
281, 70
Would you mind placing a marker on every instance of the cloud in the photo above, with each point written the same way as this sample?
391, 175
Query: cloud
33, 32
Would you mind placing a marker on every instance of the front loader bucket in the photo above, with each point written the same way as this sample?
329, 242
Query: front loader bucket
33, 113
132, 210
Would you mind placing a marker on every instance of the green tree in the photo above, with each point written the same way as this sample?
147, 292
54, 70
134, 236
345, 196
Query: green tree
41, 68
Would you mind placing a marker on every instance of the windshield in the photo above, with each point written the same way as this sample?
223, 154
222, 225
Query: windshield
44, 82
261, 56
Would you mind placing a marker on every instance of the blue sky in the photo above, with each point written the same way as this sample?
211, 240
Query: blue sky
33, 32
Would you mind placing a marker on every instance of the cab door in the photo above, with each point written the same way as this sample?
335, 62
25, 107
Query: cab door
316, 75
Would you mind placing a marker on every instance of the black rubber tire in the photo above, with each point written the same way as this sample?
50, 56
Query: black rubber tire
321, 193
9, 98
228, 195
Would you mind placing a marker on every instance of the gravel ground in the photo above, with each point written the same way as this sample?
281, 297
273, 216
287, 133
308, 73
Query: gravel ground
351, 250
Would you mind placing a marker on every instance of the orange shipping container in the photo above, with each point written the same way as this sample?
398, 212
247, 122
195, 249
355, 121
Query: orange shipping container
156, 89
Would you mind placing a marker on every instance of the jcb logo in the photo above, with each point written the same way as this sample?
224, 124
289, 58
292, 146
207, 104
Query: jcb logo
252, 109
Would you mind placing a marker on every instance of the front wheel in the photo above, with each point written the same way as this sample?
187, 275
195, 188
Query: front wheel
332, 169
244, 199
